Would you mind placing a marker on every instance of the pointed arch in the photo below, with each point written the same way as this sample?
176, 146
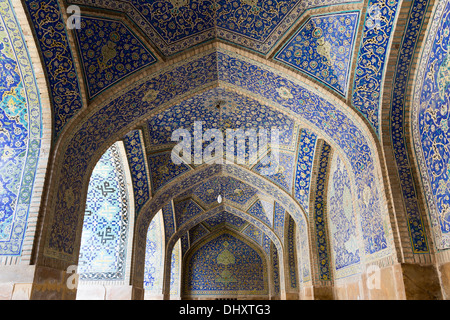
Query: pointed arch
26, 131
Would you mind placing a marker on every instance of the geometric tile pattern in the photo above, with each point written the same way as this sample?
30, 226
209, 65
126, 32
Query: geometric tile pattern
106, 221
370, 64
266, 244
342, 217
154, 256
109, 52
79, 154
431, 124
305, 158
185, 245
48, 24
321, 114
20, 132
173, 21
134, 147
323, 48
397, 117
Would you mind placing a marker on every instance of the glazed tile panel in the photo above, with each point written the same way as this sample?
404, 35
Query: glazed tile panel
154, 256
109, 52
175, 20
323, 49
305, 158
196, 233
320, 215
237, 112
431, 123
163, 170
315, 110
419, 242
342, 217
278, 220
225, 217
253, 233
229, 188
176, 25
186, 210
372, 56
106, 221
20, 132
169, 221
283, 174
262, 212
49, 27
291, 245
134, 147
275, 270
201, 72
226, 264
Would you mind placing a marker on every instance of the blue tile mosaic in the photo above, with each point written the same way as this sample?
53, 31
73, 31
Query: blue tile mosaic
154, 256
226, 264
20, 132
185, 210
372, 57
176, 25
196, 233
49, 27
169, 221
291, 252
163, 170
225, 217
135, 151
278, 220
283, 173
261, 212
305, 158
397, 118
229, 188
342, 216
323, 48
430, 124
253, 233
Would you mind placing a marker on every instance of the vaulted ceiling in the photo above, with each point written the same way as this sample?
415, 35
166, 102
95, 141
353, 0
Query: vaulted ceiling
138, 70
